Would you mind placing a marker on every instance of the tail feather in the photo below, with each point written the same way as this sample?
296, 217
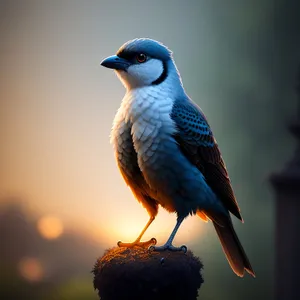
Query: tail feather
202, 215
233, 249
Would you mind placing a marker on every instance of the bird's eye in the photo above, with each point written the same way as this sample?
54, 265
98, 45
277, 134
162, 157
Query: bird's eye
141, 57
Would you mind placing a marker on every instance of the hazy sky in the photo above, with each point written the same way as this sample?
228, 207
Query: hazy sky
57, 105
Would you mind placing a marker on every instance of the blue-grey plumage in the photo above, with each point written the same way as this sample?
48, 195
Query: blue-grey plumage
166, 150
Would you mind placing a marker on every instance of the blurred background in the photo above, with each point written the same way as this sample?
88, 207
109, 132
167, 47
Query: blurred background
62, 199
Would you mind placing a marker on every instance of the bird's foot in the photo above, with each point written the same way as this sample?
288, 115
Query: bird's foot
146, 244
169, 247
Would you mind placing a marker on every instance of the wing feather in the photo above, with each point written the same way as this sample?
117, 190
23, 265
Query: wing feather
197, 142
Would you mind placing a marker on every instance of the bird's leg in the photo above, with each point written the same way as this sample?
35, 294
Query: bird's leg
138, 242
168, 245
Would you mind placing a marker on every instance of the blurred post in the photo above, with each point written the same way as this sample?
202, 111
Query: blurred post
134, 274
287, 187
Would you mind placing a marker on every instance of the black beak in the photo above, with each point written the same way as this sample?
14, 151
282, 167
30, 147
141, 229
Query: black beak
115, 62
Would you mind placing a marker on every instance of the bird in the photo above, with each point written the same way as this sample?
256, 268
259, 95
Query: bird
166, 151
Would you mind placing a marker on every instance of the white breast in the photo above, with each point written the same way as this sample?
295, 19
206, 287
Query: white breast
147, 110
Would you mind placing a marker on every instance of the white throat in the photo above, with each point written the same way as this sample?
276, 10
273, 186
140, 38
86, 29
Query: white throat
140, 75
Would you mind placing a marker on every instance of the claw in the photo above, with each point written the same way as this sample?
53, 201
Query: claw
165, 247
151, 248
146, 244
184, 248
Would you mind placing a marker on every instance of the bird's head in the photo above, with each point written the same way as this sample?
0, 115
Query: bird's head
142, 62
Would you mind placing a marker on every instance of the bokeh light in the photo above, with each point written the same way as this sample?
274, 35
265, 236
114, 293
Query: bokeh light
31, 269
50, 227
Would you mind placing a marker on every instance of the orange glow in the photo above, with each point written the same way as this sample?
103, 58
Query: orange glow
127, 228
31, 269
50, 227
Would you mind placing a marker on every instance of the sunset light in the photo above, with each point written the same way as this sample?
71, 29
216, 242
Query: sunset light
111, 109
127, 229
50, 227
